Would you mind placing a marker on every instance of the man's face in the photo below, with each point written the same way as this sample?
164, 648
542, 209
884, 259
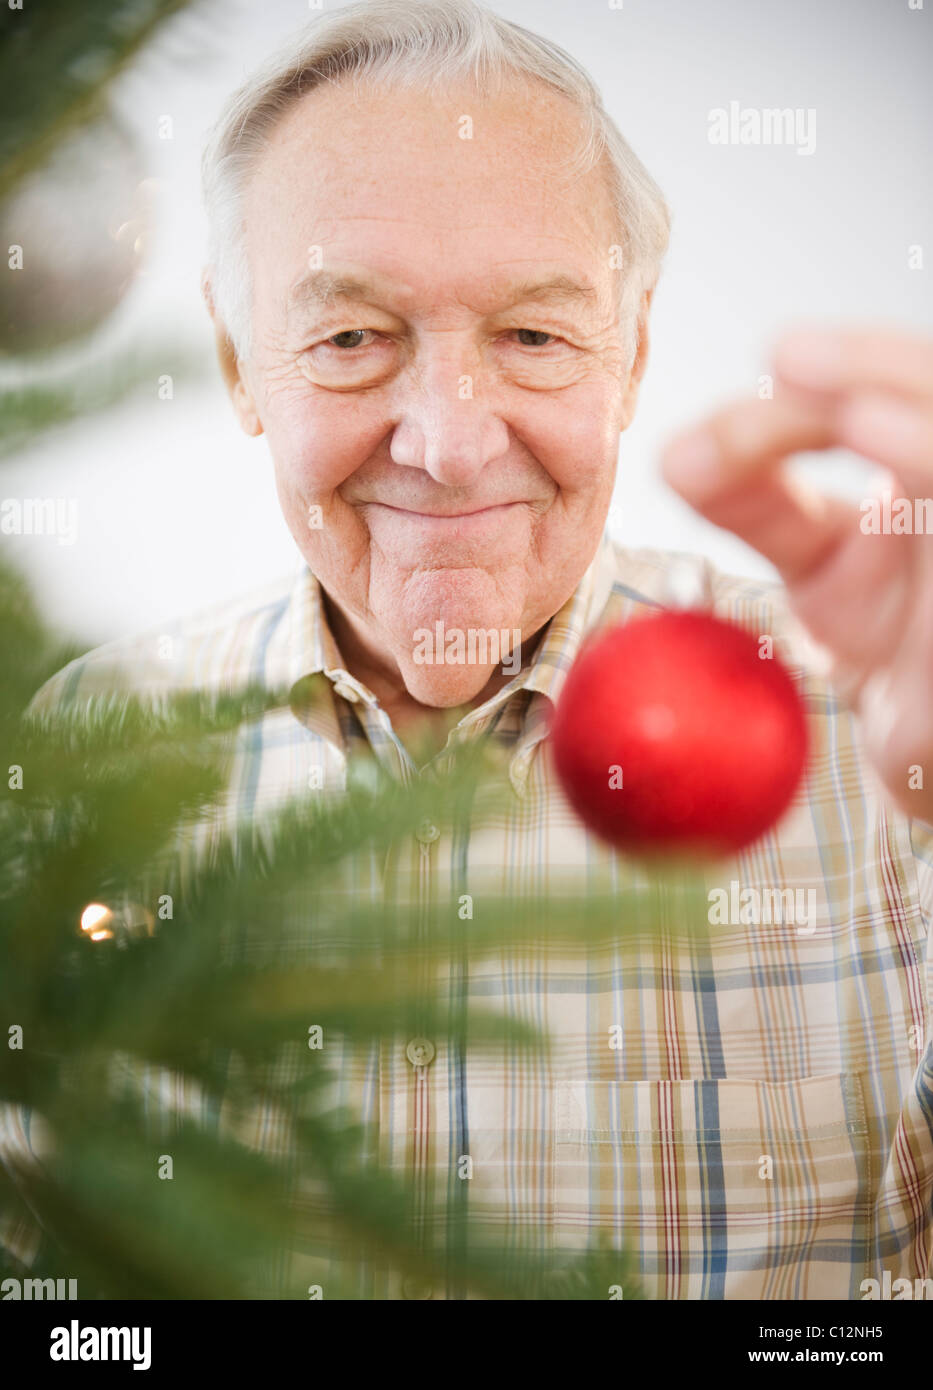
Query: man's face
437, 361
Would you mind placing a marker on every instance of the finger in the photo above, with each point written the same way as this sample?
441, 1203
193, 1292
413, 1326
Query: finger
729, 471
741, 440
837, 360
893, 432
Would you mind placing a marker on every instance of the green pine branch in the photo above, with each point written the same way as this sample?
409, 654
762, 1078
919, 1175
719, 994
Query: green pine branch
57, 62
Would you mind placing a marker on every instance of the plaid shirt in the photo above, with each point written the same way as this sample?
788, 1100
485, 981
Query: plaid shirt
761, 1127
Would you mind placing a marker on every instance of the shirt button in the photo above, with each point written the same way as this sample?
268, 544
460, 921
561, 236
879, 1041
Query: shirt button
346, 691
414, 1288
420, 1052
428, 832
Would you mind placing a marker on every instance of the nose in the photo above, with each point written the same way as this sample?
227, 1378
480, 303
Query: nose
445, 425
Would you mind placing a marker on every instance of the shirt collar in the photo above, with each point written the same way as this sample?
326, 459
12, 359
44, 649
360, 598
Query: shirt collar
313, 653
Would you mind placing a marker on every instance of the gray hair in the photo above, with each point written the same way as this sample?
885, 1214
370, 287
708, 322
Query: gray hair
426, 44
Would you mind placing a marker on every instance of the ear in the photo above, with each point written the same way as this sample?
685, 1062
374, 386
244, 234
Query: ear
231, 368
640, 362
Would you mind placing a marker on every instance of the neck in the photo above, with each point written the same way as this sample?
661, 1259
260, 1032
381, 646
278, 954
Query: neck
418, 725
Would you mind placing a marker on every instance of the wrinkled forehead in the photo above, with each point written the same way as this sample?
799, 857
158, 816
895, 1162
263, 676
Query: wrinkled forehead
400, 180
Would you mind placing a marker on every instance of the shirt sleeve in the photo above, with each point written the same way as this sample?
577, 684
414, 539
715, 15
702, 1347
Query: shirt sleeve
921, 840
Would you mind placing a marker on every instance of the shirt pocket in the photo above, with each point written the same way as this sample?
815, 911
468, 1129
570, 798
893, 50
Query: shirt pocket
719, 1189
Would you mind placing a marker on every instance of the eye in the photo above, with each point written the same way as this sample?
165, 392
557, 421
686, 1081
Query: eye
350, 359
356, 335
532, 337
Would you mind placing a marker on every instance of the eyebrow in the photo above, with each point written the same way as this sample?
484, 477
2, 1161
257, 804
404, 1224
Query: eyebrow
321, 289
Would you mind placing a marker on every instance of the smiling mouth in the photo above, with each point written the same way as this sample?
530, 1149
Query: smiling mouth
448, 516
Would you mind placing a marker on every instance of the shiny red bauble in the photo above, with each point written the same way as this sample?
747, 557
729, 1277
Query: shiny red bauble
679, 733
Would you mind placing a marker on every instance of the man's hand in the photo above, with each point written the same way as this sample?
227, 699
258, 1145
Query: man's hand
866, 598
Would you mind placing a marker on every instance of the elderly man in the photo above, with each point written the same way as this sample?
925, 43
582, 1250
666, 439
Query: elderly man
432, 264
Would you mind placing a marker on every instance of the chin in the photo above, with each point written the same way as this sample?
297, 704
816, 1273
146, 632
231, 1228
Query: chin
462, 597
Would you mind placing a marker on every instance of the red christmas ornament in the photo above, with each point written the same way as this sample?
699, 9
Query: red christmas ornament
673, 733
